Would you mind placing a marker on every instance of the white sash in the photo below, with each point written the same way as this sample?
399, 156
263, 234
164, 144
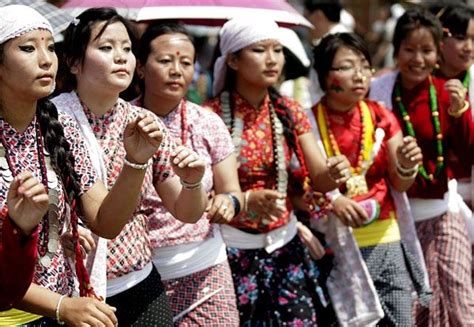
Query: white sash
96, 261
270, 241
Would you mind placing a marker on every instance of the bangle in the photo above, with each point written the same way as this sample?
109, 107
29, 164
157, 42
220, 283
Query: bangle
58, 306
459, 113
333, 195
190, 186
405, 173
235, 203
138, 166
246, 200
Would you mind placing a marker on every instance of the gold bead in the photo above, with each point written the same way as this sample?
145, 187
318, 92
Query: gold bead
439, 136
435, 113
440, 159
398, 99
406, 118
431, 177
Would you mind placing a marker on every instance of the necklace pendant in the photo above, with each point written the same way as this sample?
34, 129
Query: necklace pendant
356, 185
46, 261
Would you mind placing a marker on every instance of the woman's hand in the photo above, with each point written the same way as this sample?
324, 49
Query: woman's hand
457, 93
220, 209
316, 250
349, 211
187, 165
141, 138
409, 153
85, 311
86, 242
266, 204
339, 169
27, 201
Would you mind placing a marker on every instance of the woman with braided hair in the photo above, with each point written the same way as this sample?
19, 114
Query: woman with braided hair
99, 65
38, 141
275, 277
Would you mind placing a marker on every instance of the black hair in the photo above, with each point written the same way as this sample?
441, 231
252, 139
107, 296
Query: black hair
325, 51
330, 8
63, 163
155, 30
414, 19
455, 19
77, 38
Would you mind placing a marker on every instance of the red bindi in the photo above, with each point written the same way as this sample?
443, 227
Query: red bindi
42, 38
177, 53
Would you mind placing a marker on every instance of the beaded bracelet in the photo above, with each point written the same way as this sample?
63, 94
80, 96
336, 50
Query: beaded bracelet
459, 113
190, 186
138, 166
235, 203
58, 306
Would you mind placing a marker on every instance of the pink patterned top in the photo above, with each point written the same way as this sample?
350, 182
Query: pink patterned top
256, 169
130, 250
208, 136
22, 149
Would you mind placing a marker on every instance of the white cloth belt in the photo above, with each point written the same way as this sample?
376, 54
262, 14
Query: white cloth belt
125, 282
182, 260
271, 241
424, 209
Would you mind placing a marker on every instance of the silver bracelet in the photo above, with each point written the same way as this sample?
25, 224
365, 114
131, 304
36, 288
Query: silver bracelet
405, 173
58, 306
190, 186
138, 166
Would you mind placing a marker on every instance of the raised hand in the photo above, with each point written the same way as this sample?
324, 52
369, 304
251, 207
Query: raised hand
409, 153
187, 165
141, 138
267, 204
339, 168
86, 242
220, 209
27, 201
349, 212
457, 93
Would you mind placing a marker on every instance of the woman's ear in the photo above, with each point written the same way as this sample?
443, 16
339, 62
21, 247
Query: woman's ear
140, 70
75, 68
232, 61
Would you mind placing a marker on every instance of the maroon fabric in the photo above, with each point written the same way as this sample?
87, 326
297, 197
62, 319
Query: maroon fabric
17, 261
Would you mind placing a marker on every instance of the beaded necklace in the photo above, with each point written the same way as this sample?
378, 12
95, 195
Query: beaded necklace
356, 184
184, 122
236, 125
436, 125
466, 80
49, 225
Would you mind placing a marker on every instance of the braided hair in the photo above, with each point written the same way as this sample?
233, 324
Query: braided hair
63, 163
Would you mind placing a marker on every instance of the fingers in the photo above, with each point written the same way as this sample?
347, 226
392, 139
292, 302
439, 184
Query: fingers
315, 248
271, 195
150, 129
184, 157
339, 169
221, 210
361, 216
409, 153
105, 314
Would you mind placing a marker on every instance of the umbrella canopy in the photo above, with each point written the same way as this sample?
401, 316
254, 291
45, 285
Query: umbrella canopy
205, 12
58, 18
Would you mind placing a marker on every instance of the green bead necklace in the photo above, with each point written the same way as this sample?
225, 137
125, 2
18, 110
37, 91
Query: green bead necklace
466, 80
437, 127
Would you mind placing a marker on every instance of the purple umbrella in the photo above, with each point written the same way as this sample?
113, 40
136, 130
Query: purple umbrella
206, 12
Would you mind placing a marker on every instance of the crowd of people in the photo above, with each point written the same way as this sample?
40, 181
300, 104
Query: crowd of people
125, 203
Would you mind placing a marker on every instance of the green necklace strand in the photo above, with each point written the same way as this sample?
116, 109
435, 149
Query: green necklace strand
437, 127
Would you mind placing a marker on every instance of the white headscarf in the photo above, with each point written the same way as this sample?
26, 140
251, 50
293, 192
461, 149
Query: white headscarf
237, 34
16, 20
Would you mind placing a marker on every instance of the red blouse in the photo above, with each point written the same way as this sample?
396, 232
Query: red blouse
460, 168
457, 137
17, 261
347, 129
257, 170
